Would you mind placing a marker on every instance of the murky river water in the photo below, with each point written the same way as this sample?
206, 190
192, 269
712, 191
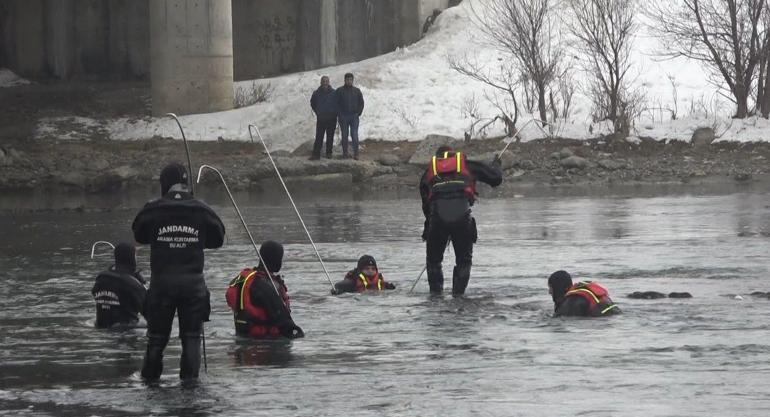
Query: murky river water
496, 352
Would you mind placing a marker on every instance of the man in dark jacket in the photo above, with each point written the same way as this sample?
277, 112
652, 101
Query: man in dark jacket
324, 105
448, 190
350, 106
178, 227
584, 299
119, 291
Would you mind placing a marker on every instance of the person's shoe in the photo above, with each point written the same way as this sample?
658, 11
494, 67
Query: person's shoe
355, 157
345, 156
328, 155
314, 158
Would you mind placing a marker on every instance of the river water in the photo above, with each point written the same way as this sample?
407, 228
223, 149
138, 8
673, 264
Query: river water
495, 352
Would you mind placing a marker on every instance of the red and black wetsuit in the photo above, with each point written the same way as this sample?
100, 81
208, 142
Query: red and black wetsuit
258, 311
586, 299
447, 189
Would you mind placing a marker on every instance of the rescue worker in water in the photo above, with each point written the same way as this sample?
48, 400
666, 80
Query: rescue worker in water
119, 291
585, 299
178, 227
448, 190
260, 300
365, 277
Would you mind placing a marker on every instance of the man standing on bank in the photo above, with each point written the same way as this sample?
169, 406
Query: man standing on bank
178, 227
324, 105
448, 190
350, 106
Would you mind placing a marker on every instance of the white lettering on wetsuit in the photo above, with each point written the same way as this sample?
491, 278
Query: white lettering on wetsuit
105, 299
177, 242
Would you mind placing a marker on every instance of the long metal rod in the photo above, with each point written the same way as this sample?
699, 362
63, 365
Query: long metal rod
243, 222
292, 201
93, 247
424, 269
187, 150
522, 128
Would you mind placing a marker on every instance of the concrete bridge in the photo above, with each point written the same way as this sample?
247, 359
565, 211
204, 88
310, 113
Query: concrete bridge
192, 50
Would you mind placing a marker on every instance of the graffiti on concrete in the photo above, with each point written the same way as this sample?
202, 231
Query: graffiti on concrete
276, 41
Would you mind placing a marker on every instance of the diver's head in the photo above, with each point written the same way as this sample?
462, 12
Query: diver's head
558, 284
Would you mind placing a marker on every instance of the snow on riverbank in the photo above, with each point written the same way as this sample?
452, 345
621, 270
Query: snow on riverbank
412, 92
9, 79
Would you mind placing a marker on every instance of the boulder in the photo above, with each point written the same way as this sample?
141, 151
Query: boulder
610, 165
527, 164
703, 136
100, 164
646, 295
389, 160
427, 148
306, 149
73, 179
4, 158
574, 162
679, 295
565, 153
114, 179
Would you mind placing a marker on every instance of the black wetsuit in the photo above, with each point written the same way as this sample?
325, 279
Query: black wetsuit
119, 294
178, 227
450, 218
577, 306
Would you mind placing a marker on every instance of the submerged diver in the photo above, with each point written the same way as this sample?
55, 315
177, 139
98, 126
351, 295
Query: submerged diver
119, 291
365, 277
448, 190
178, 227
258, 309
586, 299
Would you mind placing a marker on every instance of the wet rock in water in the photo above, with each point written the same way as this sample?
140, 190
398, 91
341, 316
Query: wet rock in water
114, 179
363, 170
742, 176
703, 136
427, 148
679, 295
4, 158
574, 162
72, 179
646, 295
389, 159
760, 294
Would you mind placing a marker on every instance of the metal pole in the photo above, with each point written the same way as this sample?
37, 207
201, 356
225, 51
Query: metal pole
522, 128
292, 201
93, 247
243, 222
187, 150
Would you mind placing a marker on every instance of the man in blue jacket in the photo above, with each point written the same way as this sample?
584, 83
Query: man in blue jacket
350, 106
324, 105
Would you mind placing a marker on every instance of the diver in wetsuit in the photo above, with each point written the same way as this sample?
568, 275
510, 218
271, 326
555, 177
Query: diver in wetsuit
178, 227
119, 291
585, 299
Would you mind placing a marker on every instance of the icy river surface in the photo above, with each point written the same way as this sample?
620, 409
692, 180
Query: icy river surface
495, 352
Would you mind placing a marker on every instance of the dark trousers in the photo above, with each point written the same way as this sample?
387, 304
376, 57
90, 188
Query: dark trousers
191, 303
327, 127
349, 126
463, 235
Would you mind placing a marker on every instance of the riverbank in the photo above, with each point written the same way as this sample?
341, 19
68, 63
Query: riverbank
105, 166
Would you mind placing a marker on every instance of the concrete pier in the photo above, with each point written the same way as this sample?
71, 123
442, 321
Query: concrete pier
191, 56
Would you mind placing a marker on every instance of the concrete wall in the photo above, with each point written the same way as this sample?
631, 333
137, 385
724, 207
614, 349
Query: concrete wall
191, 56
75, 38
111, 38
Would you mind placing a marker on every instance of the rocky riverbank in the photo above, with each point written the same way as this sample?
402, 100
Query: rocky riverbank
104, 166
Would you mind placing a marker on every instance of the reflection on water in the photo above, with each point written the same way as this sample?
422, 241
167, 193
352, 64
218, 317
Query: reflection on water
495, 352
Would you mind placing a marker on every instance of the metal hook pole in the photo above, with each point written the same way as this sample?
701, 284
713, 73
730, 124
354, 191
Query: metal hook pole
187, 150
243, 222
93, 247
291, 200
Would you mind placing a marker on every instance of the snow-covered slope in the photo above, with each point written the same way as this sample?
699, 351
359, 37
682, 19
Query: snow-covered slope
412, 92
